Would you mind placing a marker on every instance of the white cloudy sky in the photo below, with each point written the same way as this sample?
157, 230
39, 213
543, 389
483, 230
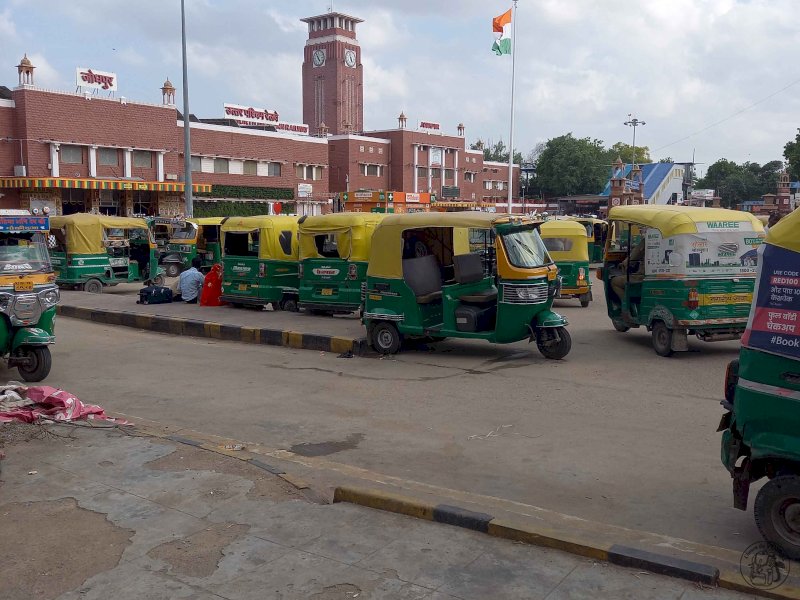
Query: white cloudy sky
582, 65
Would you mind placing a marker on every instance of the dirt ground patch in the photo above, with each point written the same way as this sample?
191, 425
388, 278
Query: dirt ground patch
198, 554
17, 432
51, 547
265, 485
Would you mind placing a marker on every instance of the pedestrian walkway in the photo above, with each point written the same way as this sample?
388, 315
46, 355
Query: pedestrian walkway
117, 306
110, 515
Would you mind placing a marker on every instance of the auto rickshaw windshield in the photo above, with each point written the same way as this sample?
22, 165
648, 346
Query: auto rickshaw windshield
23, 253
188, 231
525, 249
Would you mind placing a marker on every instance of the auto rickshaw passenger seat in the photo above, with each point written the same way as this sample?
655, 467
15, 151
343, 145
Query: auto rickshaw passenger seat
422, 275
469, 269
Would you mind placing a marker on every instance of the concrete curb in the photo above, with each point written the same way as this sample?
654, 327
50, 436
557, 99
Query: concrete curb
532, 531
217, 331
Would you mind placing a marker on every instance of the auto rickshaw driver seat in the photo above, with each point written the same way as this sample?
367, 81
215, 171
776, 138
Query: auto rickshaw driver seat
469, 269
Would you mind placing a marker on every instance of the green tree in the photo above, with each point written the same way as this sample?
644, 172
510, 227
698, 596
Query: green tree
496, 151
625, 152
791, 152
666, 159
735, 183
570, 165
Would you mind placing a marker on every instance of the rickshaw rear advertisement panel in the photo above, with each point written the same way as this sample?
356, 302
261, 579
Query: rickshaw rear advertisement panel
774, 324
702, 254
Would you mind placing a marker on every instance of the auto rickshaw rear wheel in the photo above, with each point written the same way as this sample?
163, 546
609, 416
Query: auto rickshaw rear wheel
289, 304
620, 326
158, 280
555, 349
662, 339
38, 362
777, 513
585, 299
93, 286
172, 269
385, 338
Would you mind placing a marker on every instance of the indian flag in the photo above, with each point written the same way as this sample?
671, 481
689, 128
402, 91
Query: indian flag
502, 32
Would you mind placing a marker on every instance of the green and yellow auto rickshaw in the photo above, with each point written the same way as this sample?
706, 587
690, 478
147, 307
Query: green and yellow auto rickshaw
680, 271
596, 231
334, 251
761, 430
93, 251
190, 238
566, 242
259, 258
28, 294
422, 283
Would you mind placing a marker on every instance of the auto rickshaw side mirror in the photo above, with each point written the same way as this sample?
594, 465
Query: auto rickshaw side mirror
599, 273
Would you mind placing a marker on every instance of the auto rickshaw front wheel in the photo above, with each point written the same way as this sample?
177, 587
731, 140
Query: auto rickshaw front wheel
37, 362
777, 513
384, 337
557, 346
662, 339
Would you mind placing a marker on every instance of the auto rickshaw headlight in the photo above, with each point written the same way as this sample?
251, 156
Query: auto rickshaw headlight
49, 297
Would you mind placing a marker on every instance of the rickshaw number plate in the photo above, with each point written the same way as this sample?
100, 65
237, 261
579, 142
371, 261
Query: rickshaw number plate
327, 291
242, 287
23, 286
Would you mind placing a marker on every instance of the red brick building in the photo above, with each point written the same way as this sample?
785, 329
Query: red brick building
89, 151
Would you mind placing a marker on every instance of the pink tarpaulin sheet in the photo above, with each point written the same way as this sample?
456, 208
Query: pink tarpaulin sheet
45, 402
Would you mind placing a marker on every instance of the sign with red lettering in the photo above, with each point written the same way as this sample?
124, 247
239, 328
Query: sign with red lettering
430, 126
774, 324
95, 80
247, 115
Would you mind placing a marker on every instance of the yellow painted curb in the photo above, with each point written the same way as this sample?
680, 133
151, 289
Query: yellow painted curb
383, 501
508, 529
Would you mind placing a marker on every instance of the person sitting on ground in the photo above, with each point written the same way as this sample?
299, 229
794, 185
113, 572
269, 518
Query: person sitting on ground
190, 283
618, 282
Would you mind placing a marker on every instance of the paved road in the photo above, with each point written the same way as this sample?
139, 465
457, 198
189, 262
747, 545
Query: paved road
614, 433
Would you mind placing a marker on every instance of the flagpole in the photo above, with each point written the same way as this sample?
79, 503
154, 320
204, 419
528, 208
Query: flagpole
511, 126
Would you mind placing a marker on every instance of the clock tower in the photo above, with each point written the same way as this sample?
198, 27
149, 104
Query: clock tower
333, 77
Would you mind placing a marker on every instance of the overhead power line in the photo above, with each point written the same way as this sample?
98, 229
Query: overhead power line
729, 117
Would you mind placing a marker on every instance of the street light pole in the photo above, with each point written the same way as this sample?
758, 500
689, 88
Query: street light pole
187, 143
633, 122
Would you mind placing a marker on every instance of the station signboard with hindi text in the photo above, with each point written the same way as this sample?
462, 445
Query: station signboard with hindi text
95, 80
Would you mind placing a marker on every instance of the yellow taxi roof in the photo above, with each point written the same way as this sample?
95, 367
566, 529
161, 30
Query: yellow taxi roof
84, 231
335, 221
273, 228
674, 220
207, 220
243, 224
353, 231
786, 232
562, 228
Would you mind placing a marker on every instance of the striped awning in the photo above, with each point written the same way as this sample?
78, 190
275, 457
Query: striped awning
99, 184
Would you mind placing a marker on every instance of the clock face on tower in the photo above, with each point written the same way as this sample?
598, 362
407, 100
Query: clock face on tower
350, 58
318, 57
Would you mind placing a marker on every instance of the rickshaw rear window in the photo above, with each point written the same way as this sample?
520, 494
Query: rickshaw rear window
327, 246
557, 244
525, 249
241, 244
